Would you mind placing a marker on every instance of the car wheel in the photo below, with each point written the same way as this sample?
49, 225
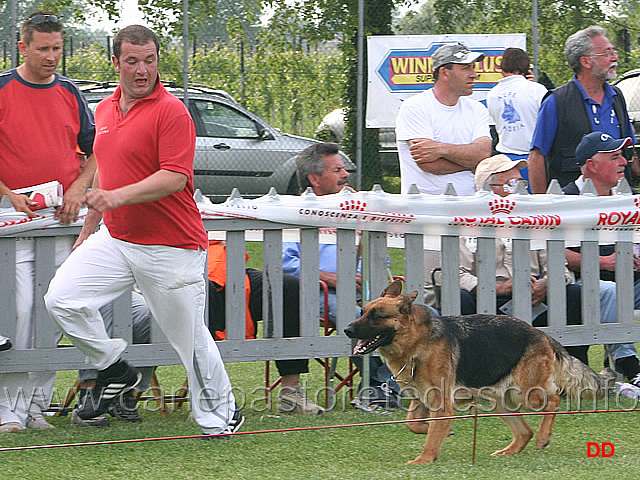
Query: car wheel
294, 187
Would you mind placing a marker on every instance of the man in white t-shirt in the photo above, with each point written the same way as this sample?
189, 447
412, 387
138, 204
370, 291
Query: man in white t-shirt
441, 133
513, 105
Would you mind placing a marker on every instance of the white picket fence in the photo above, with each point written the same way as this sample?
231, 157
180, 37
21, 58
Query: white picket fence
312, 343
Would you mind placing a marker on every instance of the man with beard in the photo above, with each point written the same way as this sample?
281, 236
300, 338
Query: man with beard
587, 103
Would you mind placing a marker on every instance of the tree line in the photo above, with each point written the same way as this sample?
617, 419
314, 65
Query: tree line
279, 67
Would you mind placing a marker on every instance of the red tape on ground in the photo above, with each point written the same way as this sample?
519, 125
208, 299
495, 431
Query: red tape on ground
317, 427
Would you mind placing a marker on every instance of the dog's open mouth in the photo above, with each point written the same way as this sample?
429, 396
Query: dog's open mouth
369, 345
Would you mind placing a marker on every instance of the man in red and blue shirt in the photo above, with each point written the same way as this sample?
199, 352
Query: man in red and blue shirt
44, 122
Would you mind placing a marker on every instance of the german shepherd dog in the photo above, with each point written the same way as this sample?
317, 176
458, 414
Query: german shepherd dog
446, 360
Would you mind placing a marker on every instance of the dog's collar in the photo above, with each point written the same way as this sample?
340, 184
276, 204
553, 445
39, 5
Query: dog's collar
411, 361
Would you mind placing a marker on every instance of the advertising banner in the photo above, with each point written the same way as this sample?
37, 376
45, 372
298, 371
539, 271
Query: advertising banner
533, 217
400, 66
572, 218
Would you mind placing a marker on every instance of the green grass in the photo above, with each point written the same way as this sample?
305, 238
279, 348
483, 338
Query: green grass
379, 451
391, 184
254, 249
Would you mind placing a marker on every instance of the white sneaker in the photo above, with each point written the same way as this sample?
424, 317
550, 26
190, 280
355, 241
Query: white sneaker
294, 400
635, 381
627, 390
5, 343
38, 422
10, 427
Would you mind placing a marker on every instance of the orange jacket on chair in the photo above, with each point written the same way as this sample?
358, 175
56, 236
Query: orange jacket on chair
217, 272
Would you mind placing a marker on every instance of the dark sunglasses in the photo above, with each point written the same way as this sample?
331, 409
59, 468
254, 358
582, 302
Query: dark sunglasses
39, 19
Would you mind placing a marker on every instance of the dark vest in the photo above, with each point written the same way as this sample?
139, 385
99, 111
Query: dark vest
574, 121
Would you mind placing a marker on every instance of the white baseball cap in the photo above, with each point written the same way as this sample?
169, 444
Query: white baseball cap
496, 164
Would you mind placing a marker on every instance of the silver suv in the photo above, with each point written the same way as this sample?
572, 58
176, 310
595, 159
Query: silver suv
629, 84
234, 147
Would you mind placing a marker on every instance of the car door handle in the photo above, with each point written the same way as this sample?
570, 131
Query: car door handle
221, 146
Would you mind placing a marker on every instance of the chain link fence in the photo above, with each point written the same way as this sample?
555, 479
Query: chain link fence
255, 107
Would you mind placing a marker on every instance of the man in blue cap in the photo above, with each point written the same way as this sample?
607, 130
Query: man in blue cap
600, 159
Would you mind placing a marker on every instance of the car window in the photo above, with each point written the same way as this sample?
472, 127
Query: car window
630, 88
93, 103
219, 120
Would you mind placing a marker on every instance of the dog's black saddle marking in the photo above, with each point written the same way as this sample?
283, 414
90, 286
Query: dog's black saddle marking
489, 346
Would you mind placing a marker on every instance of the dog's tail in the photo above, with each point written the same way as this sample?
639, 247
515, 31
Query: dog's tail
575, 378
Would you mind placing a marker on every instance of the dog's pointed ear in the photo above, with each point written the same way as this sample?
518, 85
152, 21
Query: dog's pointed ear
406, 305
393, 290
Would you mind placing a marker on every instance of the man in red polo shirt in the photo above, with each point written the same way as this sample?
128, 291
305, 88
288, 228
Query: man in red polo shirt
152, 236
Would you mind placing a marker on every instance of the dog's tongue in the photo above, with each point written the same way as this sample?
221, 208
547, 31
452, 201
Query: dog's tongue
359, 343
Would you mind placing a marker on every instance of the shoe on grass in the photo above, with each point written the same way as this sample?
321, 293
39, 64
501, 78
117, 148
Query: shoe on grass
125, 408
233, 427
111, 382
99, 421
379, 395
635, 381
627, 390
294, 400
10, 427
38, 422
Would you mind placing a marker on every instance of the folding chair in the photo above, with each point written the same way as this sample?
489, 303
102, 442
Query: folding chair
329, 364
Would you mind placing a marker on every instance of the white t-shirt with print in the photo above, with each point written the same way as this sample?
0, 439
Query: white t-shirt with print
513, 105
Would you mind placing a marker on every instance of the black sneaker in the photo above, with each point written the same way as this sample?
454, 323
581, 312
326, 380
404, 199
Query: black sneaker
125, 408
233, 427
635, 381
236, 421
379, 395
99, 421
111, 382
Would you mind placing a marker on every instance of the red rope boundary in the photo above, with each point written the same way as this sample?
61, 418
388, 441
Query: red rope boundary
319, 427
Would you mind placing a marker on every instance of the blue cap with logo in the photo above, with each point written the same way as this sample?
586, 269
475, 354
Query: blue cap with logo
598, 142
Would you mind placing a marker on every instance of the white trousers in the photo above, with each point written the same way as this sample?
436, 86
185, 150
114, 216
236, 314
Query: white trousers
172, 283
21, 393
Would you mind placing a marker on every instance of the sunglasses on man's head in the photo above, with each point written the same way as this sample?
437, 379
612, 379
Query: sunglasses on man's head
40, 19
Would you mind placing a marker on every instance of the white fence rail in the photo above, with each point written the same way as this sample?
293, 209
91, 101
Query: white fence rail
375, 237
